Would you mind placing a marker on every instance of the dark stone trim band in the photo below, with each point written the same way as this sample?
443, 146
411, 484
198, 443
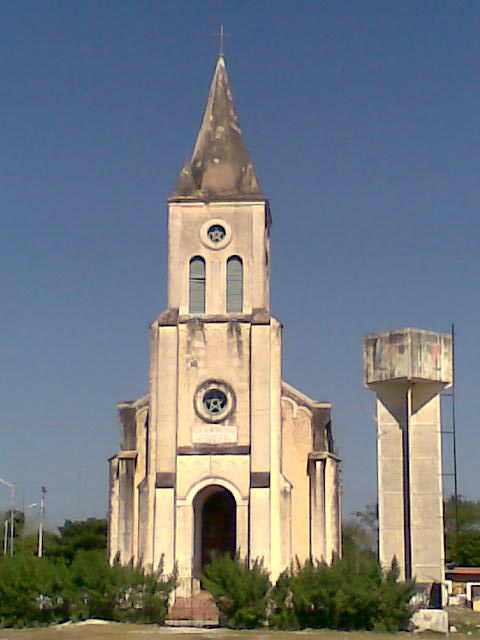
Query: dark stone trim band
165, 480
260, 479
213, 450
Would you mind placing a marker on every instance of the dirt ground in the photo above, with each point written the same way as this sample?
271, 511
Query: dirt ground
466, 622
112, 631
151, 632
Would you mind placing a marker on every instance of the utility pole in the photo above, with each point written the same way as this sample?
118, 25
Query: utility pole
40, 526
12, 500
454, 437
5, 538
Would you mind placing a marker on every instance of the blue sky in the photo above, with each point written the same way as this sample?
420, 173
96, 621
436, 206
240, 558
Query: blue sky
362, 119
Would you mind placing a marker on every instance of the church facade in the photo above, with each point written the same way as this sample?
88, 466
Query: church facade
221, 455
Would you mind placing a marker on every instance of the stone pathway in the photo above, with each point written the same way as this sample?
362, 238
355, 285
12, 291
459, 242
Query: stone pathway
198, 611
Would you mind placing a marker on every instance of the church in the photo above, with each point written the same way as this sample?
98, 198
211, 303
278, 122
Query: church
221, 455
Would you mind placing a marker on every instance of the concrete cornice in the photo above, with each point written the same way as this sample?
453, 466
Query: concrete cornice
171, 318
189, 200
130, 454
322, 455
134, 404
302, 399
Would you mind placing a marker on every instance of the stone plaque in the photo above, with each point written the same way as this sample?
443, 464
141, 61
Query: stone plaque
214, 434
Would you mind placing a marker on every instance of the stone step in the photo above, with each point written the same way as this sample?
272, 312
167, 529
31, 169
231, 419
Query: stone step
199, 610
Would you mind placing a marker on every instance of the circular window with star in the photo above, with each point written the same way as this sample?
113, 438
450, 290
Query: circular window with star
214, 401
215, 234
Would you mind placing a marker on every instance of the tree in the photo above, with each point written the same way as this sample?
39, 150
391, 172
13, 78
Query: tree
75, 536
360, 535
462, 546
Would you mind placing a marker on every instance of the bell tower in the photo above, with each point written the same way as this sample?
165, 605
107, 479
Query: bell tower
216, 362
218, 220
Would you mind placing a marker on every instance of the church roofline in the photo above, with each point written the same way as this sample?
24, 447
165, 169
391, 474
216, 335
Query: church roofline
291, 392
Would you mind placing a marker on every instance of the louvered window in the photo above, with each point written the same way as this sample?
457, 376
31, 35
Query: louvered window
197, 285
234, 284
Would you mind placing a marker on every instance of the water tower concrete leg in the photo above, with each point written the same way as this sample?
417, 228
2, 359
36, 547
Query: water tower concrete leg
410, 481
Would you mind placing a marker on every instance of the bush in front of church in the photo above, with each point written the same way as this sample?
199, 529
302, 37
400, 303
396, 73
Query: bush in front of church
95, 589
36, 591
352, 593
239, 590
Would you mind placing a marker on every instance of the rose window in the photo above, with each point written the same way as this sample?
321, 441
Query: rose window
216, 233
214, 401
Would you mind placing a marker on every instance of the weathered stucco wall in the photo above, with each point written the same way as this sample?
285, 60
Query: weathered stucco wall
213, 351
296, 446
409, 354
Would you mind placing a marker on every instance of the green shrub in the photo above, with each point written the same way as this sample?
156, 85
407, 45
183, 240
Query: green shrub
29, 592
239, 590
353, 593
40, 591
149, 601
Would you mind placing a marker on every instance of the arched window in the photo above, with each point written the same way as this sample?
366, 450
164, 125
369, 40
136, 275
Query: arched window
197, 285
234, 284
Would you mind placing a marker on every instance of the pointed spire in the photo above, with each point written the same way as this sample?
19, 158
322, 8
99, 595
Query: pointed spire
221, 167
185, 184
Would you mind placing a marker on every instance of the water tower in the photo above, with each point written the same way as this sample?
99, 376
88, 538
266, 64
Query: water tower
407, 369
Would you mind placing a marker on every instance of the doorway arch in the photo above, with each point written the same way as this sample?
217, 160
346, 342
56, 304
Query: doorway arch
215, 530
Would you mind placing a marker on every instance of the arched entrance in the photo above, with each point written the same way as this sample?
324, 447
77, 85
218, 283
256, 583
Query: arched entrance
215, 512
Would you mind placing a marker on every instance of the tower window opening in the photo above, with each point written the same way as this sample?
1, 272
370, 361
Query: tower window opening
234, 284
197, 285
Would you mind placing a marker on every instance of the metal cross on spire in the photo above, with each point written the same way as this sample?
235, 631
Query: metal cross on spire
222, 36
